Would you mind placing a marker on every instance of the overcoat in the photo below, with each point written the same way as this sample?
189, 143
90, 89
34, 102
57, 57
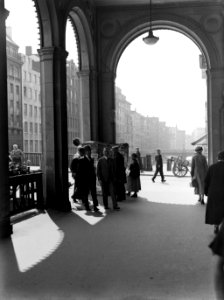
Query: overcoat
199, 168
214, 189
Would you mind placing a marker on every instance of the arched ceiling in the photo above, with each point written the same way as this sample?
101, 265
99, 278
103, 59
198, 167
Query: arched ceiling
140, 2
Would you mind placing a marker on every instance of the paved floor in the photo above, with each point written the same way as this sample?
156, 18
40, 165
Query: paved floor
154, 248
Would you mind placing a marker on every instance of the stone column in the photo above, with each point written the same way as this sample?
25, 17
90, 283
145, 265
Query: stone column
107, 107
55, 144
84, 105
215, 113
94, 107
5, 226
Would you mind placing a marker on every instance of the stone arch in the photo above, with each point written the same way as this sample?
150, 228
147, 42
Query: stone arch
186, 27
208, 45
86, 56
44, 19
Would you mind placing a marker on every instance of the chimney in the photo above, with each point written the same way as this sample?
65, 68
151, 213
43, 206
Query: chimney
28, 50
9, 32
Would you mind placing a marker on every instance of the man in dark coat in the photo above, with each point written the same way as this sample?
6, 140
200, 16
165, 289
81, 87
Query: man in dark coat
105, 175
119, 174
82, 177
214, 190
159, 166
92, 187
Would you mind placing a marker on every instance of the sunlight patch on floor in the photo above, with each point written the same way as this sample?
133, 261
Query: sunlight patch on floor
90, 217
34, 240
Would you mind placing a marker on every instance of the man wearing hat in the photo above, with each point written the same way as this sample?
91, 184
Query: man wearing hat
199, 168
119, 174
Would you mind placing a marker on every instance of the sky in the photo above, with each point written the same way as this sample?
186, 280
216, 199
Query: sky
163, 80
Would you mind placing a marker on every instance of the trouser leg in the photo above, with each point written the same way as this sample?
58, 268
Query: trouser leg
155, 174
104, 187
161, 174
112, 194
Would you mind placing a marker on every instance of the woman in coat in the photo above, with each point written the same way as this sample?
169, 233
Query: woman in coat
133, 179
199, 168
214, 189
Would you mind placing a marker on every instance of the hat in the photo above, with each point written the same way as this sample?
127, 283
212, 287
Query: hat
115, 147
198, 149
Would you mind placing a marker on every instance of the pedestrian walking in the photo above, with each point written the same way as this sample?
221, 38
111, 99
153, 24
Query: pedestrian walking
105, 175
92, 187
199, 168
159, 166
139, 159
119, 174
133, 177
73, 166
214, 190
82, 178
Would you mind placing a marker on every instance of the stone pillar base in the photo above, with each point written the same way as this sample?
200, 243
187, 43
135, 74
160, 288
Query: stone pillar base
5, 229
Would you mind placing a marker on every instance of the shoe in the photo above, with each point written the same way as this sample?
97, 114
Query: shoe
106, 207
117, 208
96, 209
134, 195
202, 202
153, 180
128, 194
163, 180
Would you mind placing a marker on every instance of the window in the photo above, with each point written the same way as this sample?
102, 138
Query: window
11, 88
31, 146
11, 104
25, 127
17, 90
36, 146
35, 111
36, 128
25, 110
30, 110
25, 91
31, 127
26, 146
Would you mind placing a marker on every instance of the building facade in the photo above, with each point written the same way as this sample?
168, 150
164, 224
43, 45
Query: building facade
14, 83
32, 108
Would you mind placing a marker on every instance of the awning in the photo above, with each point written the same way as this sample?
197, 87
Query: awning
201, 141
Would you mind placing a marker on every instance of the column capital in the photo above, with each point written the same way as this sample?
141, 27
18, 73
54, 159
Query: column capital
48, 53
108, 75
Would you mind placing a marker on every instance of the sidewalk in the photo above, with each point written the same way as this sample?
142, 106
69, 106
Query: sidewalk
156, 247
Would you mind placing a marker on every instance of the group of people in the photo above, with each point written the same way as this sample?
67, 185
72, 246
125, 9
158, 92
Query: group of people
210, 182
115, 180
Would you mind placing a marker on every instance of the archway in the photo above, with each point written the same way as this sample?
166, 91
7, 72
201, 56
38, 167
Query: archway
162, 95
86, 74
209, 48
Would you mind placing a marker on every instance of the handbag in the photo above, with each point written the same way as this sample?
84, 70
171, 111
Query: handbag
194, 182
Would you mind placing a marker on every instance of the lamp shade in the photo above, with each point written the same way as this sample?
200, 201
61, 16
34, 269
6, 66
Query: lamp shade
150, 39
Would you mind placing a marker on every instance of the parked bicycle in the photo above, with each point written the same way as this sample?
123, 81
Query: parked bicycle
180, 166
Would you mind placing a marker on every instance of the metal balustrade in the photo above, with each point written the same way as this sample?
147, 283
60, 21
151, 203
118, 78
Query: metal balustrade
26, 192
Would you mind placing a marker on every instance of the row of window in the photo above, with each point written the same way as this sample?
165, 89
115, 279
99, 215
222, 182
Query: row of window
11, 89
33, 111
29, 77
30, 127
30, 94
14, 71
33, 146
